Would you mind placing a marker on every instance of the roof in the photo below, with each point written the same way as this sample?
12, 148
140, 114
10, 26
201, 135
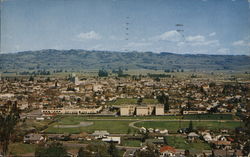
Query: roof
32, 137
155, 141
193, 134
167, 148
103, 132
222, 142
218, 152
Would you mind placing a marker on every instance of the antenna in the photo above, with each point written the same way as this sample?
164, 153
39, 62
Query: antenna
127, 24
180, 30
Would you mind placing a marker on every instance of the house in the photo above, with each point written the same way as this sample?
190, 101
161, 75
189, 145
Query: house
34, 138
220, 153
221, 144
192, 136
143, 130
112, 139
165, 131
207, 137
100, 134
155, 141
167, 151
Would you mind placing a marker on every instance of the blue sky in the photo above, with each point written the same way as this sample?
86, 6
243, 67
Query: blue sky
210, 26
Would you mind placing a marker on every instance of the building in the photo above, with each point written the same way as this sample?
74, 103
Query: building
142, 110
86, 110
127, 110
167, 151
159, 110
112, 139
100, 134
34, 138
195, 112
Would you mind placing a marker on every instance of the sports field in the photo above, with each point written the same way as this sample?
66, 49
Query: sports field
173, 126
117, 125
112, 126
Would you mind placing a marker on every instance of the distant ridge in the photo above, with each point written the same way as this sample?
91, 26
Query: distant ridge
51, 59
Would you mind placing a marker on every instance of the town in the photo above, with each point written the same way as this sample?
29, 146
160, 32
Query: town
141, 115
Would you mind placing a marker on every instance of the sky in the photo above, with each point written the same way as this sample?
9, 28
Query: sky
207, 26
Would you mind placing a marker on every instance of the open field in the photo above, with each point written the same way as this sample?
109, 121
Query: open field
20, 148
173, 126
73, 119
121, 124
210, 117
179, 142
131, 143
109, 125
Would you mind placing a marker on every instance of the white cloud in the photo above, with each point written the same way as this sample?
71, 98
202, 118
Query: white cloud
200, 40
206, 43
241, 43
92, 35
223, 51
172, 36
212, 34
197, 38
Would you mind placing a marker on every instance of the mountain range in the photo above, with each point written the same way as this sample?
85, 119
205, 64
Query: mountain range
51, 59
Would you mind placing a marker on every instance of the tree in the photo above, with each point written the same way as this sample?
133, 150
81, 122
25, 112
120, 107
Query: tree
54, 149
9, 117
190, 127
139, 101
113, 150
31, 78
151, 151
99, 149
167, 70
157, 79
246, 148
102, 73
164, 99
81, 153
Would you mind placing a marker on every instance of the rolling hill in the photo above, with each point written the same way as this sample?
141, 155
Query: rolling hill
81, 59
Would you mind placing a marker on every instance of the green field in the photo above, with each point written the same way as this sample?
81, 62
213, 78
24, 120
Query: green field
121, 124
20, 148
173, 126
131, 143
194, 117
125, 101
181, 143
112, 126
210, 116
134, 118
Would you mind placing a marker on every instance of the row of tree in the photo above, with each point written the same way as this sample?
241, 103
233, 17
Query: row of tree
98, 149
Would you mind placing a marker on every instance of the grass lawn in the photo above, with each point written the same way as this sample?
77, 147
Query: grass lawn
181, 143
131, 143
137, 117
20, 148
173, 126
122, 101
111, 126
36, 124
210, 116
